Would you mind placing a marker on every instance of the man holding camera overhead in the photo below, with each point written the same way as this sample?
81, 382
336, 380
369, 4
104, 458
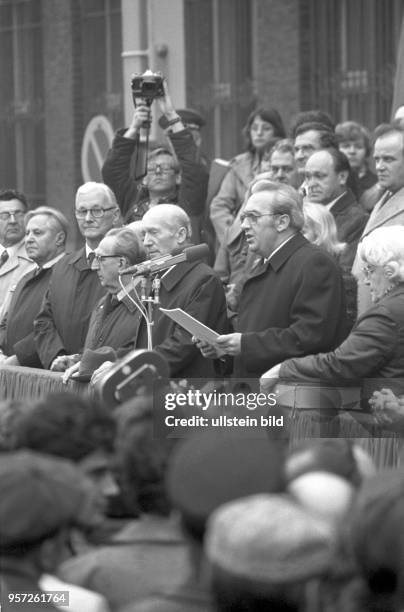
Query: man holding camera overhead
174, 176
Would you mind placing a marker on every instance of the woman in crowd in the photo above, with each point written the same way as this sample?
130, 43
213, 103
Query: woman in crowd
354, 141
262, 130
375, 347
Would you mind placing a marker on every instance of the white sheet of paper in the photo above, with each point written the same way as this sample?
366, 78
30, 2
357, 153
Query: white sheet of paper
192, 325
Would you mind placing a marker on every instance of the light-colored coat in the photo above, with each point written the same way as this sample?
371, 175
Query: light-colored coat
13, 269
385, 213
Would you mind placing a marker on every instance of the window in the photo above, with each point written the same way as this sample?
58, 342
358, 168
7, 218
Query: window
101, 43
22, 137
219, 70
348, 50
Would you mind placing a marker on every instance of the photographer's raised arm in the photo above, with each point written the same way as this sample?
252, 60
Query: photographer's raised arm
140, 119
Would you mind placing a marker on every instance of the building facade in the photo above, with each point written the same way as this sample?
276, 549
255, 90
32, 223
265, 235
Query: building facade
64, 62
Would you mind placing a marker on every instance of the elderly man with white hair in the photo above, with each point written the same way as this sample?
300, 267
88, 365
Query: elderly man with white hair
61, 325
375, 346
192, 286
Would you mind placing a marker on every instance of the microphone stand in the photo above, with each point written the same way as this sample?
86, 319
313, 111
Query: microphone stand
150, 296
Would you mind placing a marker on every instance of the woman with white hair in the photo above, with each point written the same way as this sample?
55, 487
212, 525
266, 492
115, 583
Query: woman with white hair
375, 346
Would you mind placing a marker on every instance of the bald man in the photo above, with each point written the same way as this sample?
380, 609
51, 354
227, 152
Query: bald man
192, 286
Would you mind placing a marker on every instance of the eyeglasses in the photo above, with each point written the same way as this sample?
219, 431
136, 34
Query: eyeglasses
100, 258
97, 212
163, 168
285, 169
17, 214
252, 218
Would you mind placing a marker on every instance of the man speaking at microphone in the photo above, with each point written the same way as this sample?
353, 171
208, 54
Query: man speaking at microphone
190, 285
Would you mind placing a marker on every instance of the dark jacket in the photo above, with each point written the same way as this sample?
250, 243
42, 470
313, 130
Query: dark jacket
133, 198
17, 329
374, 348
350, 219
195, 288
62, 323
113, 324
288, 306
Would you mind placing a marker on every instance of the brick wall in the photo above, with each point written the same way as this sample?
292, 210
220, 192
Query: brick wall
277, 51
61, 148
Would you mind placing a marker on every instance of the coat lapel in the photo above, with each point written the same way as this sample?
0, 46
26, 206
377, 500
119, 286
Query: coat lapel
384, 211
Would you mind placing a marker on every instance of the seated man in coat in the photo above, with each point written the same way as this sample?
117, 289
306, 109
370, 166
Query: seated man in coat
115, 319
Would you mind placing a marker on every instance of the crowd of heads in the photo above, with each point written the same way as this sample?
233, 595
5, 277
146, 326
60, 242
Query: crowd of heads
269, 526
273, 527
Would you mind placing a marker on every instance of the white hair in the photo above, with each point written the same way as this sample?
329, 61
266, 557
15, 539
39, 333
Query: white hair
385, 245
97, 188
172, 216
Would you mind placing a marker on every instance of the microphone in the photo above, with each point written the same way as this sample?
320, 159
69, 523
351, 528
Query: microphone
151, 266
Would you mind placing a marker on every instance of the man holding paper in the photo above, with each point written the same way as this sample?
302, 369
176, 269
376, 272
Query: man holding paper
293, 299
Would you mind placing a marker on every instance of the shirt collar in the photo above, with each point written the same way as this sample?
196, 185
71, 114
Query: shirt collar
266, 259
89, 250
12, 250
52, 262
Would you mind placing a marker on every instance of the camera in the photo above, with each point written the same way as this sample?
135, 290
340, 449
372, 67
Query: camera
148, 85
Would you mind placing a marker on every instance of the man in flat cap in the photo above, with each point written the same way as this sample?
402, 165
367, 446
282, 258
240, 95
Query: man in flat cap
41, 500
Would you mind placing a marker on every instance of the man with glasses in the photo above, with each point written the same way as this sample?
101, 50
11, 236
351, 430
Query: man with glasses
233, 260
293, 303
61, 326
115, 319
183, 182
14, 261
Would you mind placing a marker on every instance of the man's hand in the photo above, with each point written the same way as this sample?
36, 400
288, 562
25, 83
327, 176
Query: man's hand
69, 372
12, 360
165, 104
386, 407
270, 378
99, 374
228, 344
209, 351
141, 118
61, 363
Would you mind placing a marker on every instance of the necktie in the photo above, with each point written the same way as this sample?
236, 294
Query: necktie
3, 257
90, 258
